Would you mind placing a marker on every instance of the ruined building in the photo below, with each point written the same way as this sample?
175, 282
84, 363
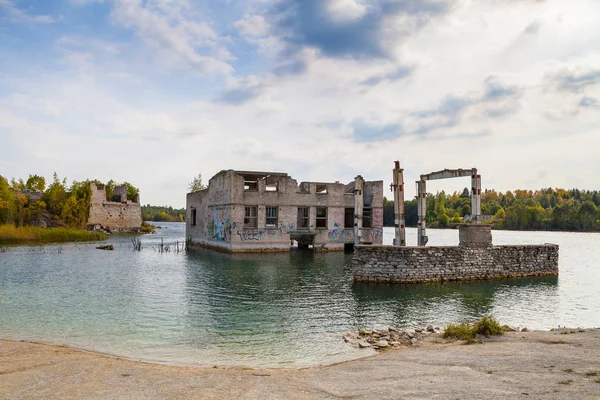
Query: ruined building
118, 216
245, 211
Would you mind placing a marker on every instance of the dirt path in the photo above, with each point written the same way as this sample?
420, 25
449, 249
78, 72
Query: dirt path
532, 365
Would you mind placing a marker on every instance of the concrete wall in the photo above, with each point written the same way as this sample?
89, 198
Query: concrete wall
425, 264
116, 216
220, 214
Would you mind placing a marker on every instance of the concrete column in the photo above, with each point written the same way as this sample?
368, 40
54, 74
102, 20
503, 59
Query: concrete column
422, 211
475, 197
358, 208
399, 220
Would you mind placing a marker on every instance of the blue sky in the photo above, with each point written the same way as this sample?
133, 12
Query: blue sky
154, 91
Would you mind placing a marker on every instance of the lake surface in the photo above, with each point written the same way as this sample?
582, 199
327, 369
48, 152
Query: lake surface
278, 310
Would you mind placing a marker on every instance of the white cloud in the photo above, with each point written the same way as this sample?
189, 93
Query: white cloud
167, 26
18, 15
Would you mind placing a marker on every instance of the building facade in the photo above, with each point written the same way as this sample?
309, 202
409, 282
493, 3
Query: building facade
246, 211
120, 215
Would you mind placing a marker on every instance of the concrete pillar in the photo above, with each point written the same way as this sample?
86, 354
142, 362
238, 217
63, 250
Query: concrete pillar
475, 197
422, 211
399, 220
358, 208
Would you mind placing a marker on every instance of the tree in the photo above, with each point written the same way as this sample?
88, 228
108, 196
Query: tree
197, 184
36, 182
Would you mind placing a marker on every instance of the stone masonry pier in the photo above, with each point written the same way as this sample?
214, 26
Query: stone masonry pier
395, 264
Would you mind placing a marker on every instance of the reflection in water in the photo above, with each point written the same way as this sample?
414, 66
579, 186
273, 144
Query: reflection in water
283, 309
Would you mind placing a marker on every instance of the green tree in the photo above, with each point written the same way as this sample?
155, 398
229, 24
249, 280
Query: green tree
6, 201
36, 182
196, 184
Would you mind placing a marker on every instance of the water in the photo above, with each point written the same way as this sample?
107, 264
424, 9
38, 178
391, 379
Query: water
272, 310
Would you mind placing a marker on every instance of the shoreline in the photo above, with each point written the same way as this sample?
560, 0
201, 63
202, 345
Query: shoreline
538, 364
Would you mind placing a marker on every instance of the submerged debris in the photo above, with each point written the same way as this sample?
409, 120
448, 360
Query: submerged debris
107, 247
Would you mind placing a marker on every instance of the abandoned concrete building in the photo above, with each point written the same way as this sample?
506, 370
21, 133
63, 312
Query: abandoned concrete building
247, 211
117, 215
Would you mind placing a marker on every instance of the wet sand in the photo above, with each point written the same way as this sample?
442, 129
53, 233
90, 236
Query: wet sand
528, 365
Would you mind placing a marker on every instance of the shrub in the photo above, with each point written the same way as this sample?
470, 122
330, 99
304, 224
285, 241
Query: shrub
486, 326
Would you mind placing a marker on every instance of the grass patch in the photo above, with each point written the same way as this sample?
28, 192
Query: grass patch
598, 380
10, 234
567, 382
147, 228
570, 370
593, 373
486, 326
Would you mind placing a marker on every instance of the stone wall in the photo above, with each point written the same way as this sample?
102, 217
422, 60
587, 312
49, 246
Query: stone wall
427, 264
115, 216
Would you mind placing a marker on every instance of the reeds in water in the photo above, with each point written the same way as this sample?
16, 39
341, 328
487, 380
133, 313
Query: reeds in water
10, 234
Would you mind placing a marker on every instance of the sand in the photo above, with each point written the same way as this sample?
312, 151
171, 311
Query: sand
528, 365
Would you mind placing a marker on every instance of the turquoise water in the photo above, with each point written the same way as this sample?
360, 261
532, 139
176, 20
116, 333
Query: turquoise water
283, 310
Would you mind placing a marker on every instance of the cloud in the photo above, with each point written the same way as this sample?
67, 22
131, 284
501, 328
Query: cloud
341, 29
242, 92
495, 91
396, 75
533, 28
369, 132
575, 80
253, 26
589, 102
173, 28
15, 14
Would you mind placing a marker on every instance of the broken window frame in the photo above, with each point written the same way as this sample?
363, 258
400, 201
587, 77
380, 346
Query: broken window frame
251, 185
321, 188
272, 187
321, 221
303, 221
367, 217
274, 217
250, 217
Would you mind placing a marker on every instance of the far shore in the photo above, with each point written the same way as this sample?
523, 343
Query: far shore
554, 364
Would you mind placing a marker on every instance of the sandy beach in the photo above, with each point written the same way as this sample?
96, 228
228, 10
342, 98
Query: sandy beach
534, 365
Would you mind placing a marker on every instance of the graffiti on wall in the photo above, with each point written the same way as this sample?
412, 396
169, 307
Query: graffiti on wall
220, 228
340, 234
250, 234
373, 235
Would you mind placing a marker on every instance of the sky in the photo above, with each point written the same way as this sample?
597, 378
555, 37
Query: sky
153, 92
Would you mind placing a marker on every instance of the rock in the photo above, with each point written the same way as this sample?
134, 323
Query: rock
363, 345
382, 344
107, 247
524, 330
418, 330
364, 332
430, 328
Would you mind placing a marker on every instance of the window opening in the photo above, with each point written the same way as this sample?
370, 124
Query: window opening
321, 188
303, 217
193, 217
349, 217
251, 186
367, 217
321, 217
271, 221
250, 216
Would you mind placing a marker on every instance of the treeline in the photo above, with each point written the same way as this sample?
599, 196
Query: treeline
162, 214
545, 209
30, 202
